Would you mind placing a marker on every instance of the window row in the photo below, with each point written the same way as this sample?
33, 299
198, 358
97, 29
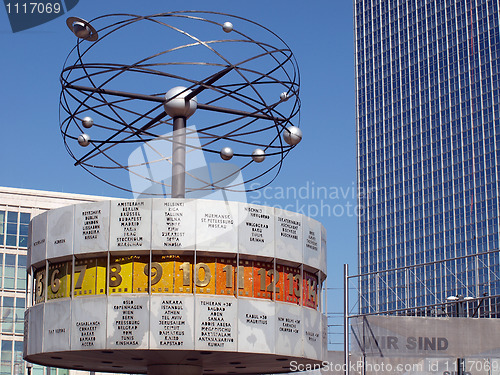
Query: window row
14, 228
12, 271
12, 315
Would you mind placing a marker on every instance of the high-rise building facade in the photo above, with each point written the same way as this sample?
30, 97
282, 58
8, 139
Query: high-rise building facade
428, 151
17, 207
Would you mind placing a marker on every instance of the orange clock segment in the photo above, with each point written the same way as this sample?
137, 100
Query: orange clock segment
225, 276
292, 284
183, 276
204, 275
265, 279
244, 278
310, 290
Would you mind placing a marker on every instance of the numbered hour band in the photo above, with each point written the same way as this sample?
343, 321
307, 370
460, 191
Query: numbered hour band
176, 274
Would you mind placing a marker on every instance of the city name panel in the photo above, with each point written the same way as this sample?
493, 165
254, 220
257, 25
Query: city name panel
199, 277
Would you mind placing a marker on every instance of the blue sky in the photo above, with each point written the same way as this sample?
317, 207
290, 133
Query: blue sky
320, 35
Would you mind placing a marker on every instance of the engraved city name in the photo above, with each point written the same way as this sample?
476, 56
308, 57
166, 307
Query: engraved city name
91, 224
173, 220
289, 228
172, 323
87, 331
311, 241
256, 319
130, 219
257, 213
257, 230
289, 325
126, 323
39, 242
217, 221
312, 336
216, 329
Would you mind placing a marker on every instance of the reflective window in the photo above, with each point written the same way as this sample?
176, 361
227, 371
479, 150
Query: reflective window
19, 316
25, 218
21, 272
7, 314
11, 238
2, 227
12, 228
19, 363
23, 229
6, 358
9, 271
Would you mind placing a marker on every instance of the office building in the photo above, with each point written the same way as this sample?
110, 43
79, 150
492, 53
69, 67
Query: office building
17, 207
428, 134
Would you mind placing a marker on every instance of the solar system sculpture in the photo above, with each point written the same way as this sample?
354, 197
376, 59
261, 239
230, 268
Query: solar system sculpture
167, 283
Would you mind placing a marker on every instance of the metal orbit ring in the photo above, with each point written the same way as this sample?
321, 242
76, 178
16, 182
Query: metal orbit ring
116, 105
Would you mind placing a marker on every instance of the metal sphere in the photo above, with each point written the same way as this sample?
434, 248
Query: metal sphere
84, 140
258, 155
227, 27
284, 96
81, 30
226, 153
178, 107
292, 135
87, 122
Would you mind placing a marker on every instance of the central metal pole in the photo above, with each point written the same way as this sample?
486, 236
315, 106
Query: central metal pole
179, 158
346, 319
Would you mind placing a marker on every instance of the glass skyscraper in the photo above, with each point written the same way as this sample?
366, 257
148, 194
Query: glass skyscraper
428, 153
